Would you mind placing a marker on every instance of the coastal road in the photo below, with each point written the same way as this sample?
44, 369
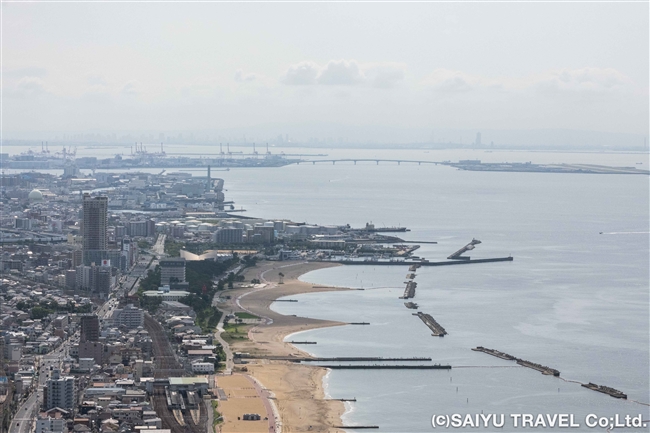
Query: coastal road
268, 285
275, 425
226, 347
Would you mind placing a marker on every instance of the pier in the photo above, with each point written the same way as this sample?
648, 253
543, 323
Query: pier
421, 263
458, 254
436, 328
335, 359
303, 342
386, 367
365, 359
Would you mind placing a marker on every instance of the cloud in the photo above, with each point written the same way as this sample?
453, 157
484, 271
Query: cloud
582, 80
96, 80
386, 75
341, 73
131, 88
303, 73
448, 81
31, 85
22, 72
240, 77
345, 73
585, 80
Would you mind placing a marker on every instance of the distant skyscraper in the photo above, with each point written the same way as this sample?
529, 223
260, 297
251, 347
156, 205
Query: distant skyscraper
95, 219
478, 139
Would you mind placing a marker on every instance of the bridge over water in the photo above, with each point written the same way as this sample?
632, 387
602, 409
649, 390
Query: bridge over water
375, 160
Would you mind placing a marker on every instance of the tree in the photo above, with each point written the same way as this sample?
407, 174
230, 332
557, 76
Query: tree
40, 312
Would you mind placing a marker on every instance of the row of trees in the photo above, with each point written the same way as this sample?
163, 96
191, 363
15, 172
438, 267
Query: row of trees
200, 276
46, 307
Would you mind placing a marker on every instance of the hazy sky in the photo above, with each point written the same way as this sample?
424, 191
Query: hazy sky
197, 66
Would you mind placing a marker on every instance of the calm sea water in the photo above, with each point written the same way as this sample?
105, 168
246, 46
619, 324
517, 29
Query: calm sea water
573, 299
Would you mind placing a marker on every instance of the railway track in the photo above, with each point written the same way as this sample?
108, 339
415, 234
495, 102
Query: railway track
166, 415
166, 363
168, 366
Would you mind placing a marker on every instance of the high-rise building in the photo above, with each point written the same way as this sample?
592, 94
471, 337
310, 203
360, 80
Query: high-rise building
61, 392
95, 221
228, 236
478, 139
129, 317
172, 271
89, 328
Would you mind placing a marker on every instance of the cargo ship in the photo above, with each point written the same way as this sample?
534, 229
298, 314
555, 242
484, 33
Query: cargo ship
605, 390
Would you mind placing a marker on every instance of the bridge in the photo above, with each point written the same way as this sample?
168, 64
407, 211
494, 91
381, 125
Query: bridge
375, 160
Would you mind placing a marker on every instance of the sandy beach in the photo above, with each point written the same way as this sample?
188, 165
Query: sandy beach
296, 389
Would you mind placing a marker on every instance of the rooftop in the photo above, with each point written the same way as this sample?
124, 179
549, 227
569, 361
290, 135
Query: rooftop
187, 380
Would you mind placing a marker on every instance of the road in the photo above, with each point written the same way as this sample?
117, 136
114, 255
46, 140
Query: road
25, 419
226, 347
159, 246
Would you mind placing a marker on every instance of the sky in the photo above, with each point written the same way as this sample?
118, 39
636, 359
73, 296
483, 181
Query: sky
339, 68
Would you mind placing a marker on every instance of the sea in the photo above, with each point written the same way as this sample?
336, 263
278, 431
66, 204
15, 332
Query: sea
575, 298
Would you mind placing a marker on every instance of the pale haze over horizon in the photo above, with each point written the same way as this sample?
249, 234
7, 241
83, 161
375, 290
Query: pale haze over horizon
343, 70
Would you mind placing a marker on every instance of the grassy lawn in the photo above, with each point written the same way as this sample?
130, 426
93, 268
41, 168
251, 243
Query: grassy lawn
217, 416
235, 332
243, 315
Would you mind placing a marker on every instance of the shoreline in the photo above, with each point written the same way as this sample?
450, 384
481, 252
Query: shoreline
298, 390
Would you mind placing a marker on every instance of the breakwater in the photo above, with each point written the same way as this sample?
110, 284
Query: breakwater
605, 390
436, 328
524, 363
421, 263
334, 359
409, 291
386, 367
